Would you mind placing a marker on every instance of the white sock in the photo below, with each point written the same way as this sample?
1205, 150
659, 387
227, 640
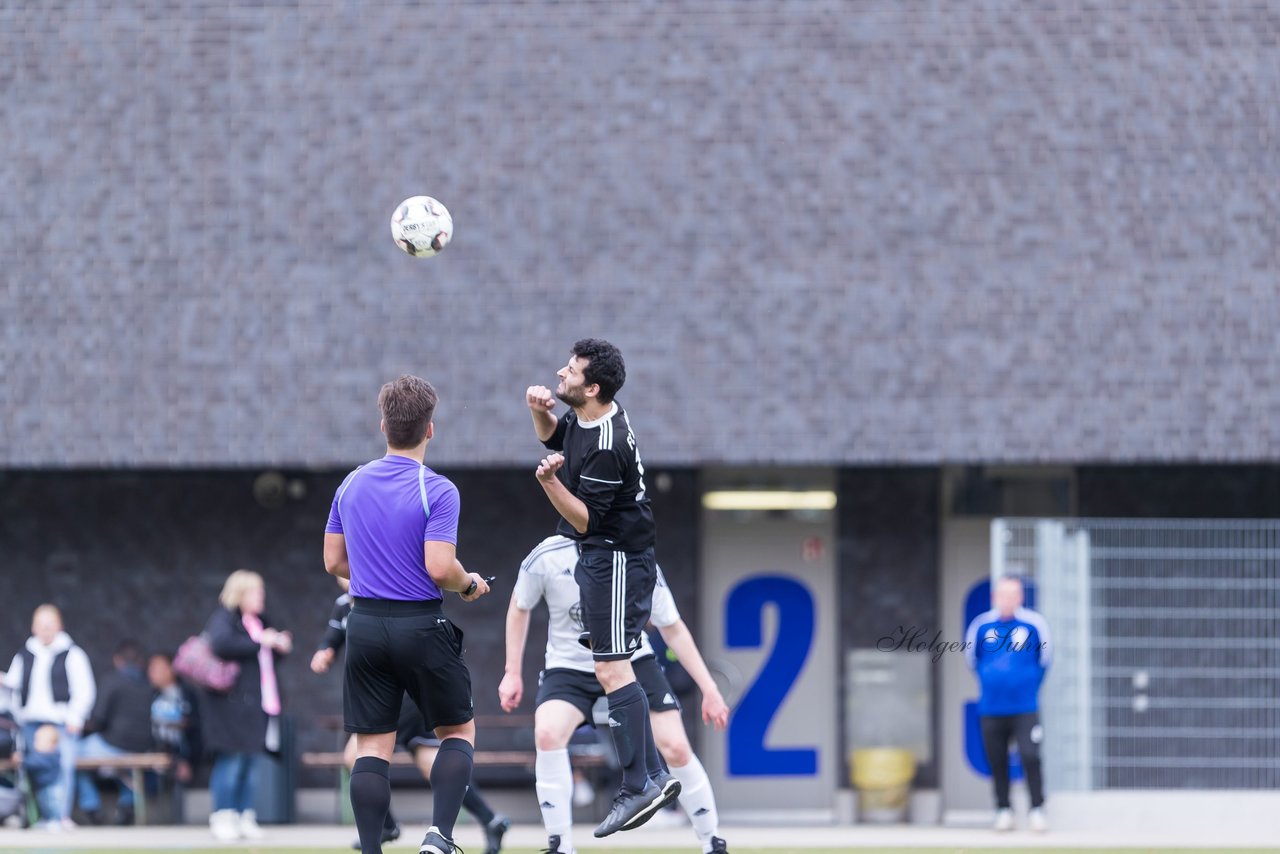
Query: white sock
698, 800
555, 794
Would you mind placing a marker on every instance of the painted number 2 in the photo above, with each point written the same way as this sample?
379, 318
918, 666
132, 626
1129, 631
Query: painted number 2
744, 629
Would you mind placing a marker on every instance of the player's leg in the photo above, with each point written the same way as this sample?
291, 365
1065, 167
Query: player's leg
554, 724
390, 827
995, 741
696, 797
616, 601
600, 574
628, 716
349, 752
423, 746
371, 697
660, 697
564, 702
371, 787
640, 575
424, 756
451, 776
428, 655
495, 826
412, 734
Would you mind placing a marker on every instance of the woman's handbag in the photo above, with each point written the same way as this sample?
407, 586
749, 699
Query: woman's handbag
195, 660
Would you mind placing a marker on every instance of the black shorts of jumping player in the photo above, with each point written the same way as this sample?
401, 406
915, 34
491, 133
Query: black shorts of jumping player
616, 594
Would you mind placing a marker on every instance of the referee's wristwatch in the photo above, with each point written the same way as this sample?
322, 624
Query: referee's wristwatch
472, 588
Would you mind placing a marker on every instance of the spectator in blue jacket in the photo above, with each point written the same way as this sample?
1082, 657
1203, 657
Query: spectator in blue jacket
1009, 649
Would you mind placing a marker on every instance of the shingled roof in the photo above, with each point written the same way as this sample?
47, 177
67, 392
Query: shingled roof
867, 232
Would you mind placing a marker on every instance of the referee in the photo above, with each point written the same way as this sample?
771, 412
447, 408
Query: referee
596, 483
393, 531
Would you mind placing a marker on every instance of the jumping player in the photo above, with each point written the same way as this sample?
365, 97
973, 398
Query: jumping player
411, 734
595, 480
567, 691
393, 531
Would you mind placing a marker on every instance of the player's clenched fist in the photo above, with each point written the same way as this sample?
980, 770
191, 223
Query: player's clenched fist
510, 691
540, 399
321, 660
549, 466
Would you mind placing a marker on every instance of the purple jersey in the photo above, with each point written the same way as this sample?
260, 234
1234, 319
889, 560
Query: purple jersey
386, 510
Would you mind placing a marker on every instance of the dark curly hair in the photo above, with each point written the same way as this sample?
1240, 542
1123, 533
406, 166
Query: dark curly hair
605, 367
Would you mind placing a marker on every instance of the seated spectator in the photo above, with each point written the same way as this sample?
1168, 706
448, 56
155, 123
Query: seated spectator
174, 722
54, 683
42, 764
120, 725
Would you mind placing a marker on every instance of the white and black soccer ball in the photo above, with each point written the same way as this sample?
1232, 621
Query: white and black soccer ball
421, 226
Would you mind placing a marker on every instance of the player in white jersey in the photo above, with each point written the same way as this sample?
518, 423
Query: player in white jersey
567, 690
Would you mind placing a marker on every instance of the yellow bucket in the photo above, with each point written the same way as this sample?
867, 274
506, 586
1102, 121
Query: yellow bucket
882, 776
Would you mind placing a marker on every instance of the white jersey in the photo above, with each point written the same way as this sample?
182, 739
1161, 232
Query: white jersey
547, 573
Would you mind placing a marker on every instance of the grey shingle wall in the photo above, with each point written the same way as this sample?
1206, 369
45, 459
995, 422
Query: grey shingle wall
821, 231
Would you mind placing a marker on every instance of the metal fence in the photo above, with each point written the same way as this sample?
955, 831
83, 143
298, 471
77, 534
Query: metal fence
1166, 634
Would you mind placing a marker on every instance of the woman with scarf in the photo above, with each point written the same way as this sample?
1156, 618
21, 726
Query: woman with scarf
241, 723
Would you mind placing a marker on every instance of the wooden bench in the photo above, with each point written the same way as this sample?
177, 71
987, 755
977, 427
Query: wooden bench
135, 763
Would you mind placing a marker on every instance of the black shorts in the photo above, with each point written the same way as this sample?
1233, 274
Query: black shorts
581, 690
411, 729
616, 594
396, 648
653, 679
575, 687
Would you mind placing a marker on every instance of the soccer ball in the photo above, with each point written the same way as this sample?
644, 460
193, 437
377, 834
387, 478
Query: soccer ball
421, 226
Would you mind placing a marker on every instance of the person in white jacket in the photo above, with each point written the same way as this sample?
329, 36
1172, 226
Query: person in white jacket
53, 681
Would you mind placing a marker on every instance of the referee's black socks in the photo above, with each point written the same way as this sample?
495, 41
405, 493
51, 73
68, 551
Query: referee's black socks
450, 777
370, 800
628, 722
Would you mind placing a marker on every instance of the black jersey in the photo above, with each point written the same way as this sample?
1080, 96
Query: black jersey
602, 468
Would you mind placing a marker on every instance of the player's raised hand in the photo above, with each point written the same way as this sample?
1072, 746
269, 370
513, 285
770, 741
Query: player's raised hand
510, 691
714, 710
549, 466
540, 399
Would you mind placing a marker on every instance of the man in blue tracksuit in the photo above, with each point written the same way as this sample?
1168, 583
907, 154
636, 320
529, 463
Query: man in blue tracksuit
1009, 649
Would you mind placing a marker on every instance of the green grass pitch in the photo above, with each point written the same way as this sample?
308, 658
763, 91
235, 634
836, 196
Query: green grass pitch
394, 849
